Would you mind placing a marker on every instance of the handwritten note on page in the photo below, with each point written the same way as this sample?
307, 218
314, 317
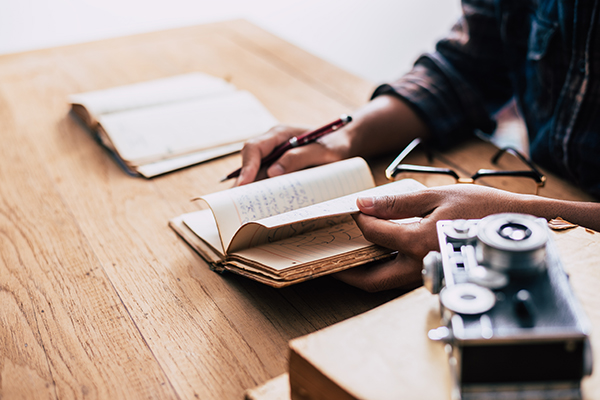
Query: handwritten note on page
235, 206
311, 218
307, 248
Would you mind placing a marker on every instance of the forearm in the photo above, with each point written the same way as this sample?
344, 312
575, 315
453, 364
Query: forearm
385, 124
582, 213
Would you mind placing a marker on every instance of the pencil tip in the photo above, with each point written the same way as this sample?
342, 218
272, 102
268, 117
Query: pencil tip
223, 179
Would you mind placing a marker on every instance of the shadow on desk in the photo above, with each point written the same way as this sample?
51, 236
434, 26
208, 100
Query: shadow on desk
320, 302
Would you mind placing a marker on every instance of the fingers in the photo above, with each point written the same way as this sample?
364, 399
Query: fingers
256, 149
416, 204
448, 202
332, 147
301, 157
402, 272
329, 148
415, 239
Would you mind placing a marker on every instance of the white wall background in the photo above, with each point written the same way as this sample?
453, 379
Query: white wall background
374, 39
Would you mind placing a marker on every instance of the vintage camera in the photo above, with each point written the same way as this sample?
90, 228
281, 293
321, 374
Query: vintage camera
513, 328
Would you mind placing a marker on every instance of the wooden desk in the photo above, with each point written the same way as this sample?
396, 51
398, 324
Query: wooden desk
99, 298
385, 353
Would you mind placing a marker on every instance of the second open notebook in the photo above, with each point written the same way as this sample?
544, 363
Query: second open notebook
166, 124
290, 228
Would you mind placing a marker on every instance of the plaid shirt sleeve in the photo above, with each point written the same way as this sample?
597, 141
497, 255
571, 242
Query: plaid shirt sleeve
458, 88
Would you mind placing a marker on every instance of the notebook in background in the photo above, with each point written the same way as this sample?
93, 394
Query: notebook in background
163, 125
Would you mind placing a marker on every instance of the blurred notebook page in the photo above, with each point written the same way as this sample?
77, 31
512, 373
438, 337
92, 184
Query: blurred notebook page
163, 125
151, 93
153, 133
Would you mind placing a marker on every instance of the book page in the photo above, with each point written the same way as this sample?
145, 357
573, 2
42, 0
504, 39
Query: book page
207, 252
306, 248
288, 257
153, 133
172, 164
236, 206
203, 224
150, 93
311, 218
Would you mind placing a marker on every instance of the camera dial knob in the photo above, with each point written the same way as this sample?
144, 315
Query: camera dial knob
461, 231
467, 298
433, 272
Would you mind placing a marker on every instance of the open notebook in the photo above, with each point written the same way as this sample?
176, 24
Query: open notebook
290, 228
163, 125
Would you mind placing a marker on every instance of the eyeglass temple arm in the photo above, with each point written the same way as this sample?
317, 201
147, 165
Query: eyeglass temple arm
536, 176
423, 169
390, 171
520, 157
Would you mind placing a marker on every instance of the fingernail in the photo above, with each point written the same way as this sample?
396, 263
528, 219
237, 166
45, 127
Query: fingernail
240, 178
276, 170
366, 202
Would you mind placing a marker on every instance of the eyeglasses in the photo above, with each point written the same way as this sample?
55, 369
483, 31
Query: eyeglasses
396, 167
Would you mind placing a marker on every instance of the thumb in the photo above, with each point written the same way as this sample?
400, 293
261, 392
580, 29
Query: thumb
416, 204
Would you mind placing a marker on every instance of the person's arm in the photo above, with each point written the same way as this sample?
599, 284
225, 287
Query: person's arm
385, 124
414, 241
445, 97
583, 213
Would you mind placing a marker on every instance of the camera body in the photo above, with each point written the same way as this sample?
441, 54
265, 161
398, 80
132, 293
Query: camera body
512, 326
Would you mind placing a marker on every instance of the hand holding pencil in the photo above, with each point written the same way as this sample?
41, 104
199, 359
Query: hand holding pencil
296, 141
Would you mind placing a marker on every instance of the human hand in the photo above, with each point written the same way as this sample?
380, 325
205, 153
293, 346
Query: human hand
382, 125
329, 148
414, 240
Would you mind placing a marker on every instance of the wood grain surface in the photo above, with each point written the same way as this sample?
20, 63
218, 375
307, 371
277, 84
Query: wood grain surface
385, 353
99, 298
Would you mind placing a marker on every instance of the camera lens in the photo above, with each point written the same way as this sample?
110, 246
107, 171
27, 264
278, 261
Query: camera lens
513, 243
516, 232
